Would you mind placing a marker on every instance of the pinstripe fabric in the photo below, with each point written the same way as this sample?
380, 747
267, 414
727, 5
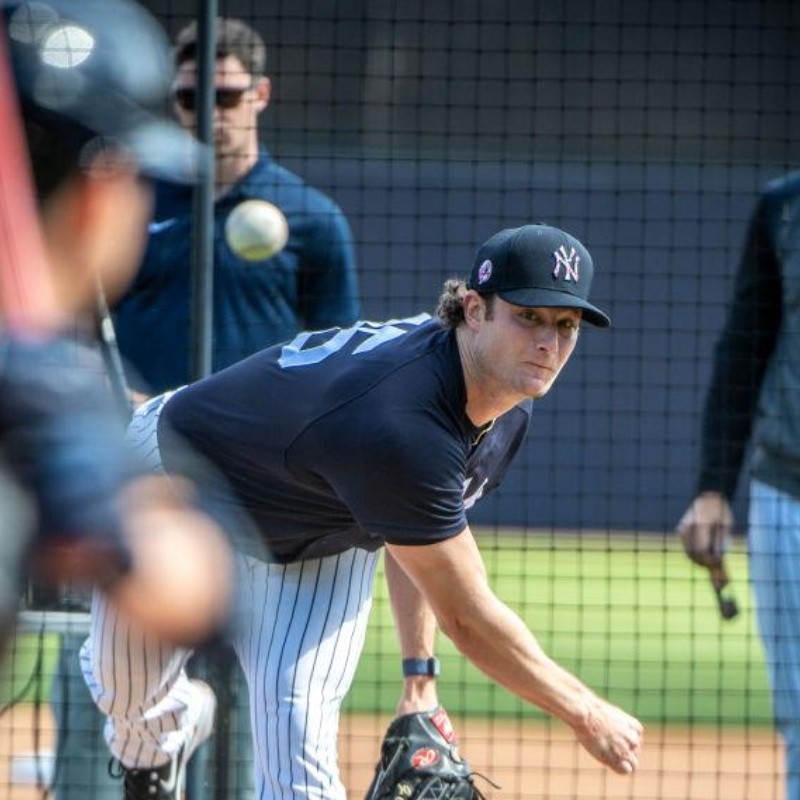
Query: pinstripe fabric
298, 633
140, 684
307, 623
142, 434
135, 679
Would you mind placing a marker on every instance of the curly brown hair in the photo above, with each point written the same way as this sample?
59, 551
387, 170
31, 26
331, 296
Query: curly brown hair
450, 309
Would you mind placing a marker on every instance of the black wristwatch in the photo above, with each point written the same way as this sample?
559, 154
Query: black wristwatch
421, 666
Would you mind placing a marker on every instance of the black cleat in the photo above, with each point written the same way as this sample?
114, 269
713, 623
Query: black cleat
156, 783
168, 782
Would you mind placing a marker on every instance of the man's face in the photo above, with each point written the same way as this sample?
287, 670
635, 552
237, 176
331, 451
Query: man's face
521, 351
95, 227
120, 223
240, 98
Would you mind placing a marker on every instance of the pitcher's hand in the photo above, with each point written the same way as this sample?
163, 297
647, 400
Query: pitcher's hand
612, 736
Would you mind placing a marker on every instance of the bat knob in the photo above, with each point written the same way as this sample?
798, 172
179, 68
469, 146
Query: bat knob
726, 602
728, 608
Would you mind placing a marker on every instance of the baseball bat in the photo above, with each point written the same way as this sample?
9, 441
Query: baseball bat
28, 302
726, 602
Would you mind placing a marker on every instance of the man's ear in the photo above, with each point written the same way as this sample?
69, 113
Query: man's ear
263, 90
474, 309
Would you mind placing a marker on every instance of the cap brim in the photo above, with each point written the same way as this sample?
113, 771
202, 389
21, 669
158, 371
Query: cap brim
164, 151
551, 298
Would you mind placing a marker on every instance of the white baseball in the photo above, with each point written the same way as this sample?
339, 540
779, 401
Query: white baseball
256, 230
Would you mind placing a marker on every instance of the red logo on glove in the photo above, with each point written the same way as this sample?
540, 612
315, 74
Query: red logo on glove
442, 723
424, 757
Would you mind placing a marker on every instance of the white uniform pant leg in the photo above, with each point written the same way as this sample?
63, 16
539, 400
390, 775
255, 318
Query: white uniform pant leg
299, 645
140, 684
137, 680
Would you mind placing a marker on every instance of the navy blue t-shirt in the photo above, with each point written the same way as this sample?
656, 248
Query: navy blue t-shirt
347, 438
311, 283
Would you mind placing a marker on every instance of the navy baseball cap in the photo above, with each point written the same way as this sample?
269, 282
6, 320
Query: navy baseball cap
537, 265
99, 73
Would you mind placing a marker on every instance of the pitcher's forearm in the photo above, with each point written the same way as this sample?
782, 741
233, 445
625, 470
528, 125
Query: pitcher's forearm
416, 630
501, 646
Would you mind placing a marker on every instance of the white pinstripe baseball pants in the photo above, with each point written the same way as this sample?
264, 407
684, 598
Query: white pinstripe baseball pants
298, 632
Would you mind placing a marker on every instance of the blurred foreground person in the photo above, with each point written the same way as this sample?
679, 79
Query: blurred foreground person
90, 76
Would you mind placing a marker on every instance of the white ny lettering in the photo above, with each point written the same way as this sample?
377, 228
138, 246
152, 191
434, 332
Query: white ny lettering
568, 260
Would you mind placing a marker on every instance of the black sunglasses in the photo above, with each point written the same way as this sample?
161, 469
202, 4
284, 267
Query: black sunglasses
223, 98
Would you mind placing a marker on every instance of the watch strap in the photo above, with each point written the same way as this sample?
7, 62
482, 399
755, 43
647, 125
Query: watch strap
421, 666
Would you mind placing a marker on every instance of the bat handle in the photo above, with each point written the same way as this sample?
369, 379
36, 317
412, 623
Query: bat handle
110, 352
726, 602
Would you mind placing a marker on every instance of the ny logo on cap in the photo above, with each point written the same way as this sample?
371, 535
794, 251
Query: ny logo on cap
568, 260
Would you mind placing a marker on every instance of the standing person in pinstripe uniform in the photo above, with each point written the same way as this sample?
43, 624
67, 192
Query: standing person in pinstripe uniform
339, 443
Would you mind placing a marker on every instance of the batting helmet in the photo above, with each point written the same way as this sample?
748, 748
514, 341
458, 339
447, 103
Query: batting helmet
97, 73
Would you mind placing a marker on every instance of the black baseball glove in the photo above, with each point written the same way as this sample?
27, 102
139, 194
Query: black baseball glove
420, 761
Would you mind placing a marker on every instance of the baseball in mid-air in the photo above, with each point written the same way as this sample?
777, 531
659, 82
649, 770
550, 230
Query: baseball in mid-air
256, 230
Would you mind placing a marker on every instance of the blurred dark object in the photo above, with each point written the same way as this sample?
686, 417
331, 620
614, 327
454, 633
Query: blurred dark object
18, 530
